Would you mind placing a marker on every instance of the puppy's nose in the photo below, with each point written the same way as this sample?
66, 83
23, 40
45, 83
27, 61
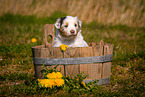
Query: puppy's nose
72, 31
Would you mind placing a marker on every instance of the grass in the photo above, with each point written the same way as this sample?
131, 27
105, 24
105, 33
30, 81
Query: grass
126, 12
127, 78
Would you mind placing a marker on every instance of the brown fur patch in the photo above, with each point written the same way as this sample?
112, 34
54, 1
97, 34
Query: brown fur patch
66, 23
64, 34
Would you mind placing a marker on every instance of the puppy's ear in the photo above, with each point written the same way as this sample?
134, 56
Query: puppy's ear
79, 22
57, 23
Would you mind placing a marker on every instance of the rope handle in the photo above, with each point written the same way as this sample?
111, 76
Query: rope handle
48, 30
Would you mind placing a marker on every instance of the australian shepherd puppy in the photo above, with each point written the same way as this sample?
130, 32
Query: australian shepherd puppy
68, 32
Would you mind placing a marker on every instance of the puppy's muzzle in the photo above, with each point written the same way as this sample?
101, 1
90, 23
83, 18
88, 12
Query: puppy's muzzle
72, 32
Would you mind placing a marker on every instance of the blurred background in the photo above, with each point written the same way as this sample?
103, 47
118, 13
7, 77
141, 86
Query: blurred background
125, 12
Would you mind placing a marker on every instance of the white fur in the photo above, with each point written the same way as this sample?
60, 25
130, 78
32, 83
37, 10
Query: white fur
71, 42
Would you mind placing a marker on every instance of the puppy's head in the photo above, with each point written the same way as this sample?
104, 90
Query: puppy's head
68, 26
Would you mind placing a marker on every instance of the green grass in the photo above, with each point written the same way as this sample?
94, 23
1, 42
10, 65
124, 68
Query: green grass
127, 78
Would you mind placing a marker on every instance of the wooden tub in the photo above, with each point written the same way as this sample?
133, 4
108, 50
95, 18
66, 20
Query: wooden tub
94, 61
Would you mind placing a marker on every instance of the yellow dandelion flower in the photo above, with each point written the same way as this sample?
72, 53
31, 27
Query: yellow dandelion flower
33, 39
47, 83
83, 83
58, 75
63, 47
51, 83
59, 82
43, 82
38, 80
51, 75
77, 79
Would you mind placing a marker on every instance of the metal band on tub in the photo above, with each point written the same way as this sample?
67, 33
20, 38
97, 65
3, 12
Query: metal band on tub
69, 61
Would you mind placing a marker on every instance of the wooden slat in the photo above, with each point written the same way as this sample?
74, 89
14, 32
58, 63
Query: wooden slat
72, 69
56, 53
48, 30
96, 66
108, 49
86, 68
37, 53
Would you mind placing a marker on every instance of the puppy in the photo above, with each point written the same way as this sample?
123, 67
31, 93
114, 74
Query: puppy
68, 32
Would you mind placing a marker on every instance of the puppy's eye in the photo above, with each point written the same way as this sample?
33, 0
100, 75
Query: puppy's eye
75, 25
66, 26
